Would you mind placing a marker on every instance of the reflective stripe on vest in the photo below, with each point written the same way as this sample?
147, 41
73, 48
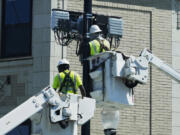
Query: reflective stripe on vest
60, 81
94, 47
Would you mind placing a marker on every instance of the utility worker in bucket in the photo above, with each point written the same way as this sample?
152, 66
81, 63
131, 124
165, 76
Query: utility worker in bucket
97, 44
67, 81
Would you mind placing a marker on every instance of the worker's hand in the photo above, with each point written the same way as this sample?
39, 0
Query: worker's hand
83, 92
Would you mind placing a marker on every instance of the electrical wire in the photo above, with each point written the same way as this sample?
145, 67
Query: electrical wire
77, 47
65, 38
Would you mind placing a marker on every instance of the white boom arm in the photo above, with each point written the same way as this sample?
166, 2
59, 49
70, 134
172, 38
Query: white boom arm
161, 65
70, 106
137, 68
25, 110
114, 75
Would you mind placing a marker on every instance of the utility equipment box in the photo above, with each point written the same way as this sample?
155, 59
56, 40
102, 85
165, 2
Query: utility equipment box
115, 26
58, 19
109, 89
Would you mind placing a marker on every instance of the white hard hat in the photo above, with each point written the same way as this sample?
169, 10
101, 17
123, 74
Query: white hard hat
94, 29
63, 62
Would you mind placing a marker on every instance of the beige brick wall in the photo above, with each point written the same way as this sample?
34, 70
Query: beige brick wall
137, 16
176, 65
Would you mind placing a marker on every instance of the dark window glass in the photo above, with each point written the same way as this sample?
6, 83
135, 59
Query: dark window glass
16, 28
23, 129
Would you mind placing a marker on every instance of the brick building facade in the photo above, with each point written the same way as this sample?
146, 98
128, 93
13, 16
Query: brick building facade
147, 24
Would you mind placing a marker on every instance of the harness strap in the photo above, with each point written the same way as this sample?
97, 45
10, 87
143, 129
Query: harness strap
67, 80
102, 46
63, 83
73, 84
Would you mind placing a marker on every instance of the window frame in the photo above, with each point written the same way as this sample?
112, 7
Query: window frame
3, 25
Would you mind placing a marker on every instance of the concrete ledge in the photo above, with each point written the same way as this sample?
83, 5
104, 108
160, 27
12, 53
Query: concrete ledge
14, 62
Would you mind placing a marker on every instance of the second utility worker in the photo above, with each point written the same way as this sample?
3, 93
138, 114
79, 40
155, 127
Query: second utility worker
97, 44
67, 81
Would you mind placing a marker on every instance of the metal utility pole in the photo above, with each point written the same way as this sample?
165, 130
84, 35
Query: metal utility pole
85, 130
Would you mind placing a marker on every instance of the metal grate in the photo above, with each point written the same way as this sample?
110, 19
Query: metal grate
115, 26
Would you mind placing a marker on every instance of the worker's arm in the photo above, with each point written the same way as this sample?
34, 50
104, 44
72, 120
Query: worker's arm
80, 85
56, 82
82, 89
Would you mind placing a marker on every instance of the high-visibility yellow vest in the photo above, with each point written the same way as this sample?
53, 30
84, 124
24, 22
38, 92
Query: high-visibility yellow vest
69, 87
95, 47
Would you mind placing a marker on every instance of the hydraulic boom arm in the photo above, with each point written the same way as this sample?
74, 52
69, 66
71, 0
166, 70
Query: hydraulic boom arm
161, 65
62, 107
137, 68
26, 110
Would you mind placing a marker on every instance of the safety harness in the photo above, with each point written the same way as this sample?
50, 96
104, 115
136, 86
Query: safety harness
67, 82
102, 46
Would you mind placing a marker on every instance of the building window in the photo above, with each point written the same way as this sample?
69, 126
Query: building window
16, 28
23, 129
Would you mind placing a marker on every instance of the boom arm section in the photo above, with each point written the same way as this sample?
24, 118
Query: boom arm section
27, 109
62, 107
114, 75
137, 68
161, 65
